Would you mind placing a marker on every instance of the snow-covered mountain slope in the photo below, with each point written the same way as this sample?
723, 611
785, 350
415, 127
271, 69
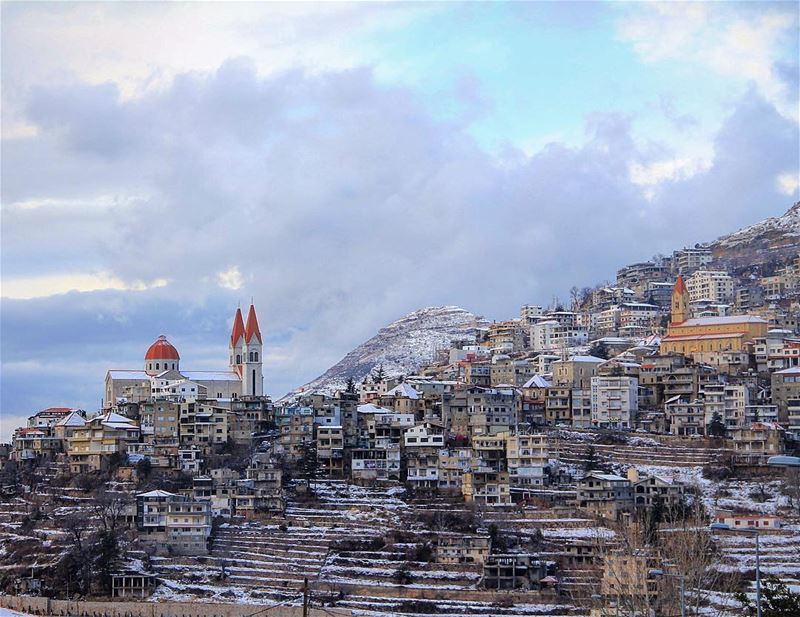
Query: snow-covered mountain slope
402, 347
768, 237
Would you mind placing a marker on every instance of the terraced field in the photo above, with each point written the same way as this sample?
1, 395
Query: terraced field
338, 543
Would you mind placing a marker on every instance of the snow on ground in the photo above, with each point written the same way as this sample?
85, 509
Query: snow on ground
7, 612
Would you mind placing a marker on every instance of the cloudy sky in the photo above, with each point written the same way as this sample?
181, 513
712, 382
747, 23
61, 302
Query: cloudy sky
343, 164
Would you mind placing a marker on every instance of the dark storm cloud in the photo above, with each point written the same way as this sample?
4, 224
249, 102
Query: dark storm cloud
343, 204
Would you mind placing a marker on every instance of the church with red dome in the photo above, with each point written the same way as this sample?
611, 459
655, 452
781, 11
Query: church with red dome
162, 375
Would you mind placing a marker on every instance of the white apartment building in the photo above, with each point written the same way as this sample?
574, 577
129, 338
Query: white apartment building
552, 335
527, 456
529, 313
728, 400
615, 401
689, 259
714, 286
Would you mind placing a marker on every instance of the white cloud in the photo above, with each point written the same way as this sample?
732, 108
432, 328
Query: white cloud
788, 183
27, 287
231, 278
142, 47
649, 175
741, 45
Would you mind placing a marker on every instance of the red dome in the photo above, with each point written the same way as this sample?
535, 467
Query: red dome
162, 349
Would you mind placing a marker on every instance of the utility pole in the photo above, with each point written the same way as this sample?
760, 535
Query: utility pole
758, 577
305, 597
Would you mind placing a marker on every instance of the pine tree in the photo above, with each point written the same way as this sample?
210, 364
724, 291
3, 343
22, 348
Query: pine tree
378, 375
350, 386
777, 600
716, 427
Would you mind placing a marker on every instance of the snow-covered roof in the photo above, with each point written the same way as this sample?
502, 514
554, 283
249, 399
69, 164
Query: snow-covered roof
403, 390
211, 375
73, 419
537, 381
586, 359
157, 493
372, 408
789, 371
125, 374
605, 476
115, 420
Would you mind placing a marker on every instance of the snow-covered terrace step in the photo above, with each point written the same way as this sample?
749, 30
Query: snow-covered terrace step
307, 538
368, 576
294, 533
278, 573
372, 562
277, 545
296, 563
299, 551
310, 558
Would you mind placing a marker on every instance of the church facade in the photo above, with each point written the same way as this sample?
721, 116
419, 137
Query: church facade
700, 336
162, 375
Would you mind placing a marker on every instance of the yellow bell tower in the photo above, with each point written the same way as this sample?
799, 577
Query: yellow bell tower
680, 302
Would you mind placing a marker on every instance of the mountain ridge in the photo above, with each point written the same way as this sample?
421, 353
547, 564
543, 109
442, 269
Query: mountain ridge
403, 346
410, 342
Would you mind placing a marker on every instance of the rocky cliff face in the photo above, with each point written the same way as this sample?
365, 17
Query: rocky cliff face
402, 347
774, 238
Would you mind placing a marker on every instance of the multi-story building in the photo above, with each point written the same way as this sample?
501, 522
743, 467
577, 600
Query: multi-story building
637, 276
202, 423
297, 432
375, 464
530, 313
785, 388
687, 260
527, 457
604, 494
507, 372
461, 548
713, 286
759, 438
92, 444
558, 405
728, 401
453, 464
615, 401
581, 407
261, 488
685, 418
506, 336
650, 490
173, 524
330, 451
513, 571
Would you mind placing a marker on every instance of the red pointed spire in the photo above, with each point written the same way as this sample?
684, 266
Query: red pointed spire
680, 287
251, 329
238, 327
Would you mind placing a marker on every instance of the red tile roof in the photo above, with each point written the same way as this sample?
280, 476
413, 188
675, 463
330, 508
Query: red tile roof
162, 349
238, 327
251, 329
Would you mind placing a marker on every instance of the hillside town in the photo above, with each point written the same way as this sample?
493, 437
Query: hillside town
634, 450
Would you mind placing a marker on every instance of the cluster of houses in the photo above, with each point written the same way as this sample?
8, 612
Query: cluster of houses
673, 348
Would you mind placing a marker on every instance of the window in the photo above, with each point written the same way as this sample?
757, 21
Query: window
156, 365
256, 354
238, 358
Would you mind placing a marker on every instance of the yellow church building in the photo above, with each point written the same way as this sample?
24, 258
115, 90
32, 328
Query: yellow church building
697, 336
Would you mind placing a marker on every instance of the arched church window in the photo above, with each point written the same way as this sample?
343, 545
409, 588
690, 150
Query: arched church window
157, 365
256, 354
238, 358
251, 356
